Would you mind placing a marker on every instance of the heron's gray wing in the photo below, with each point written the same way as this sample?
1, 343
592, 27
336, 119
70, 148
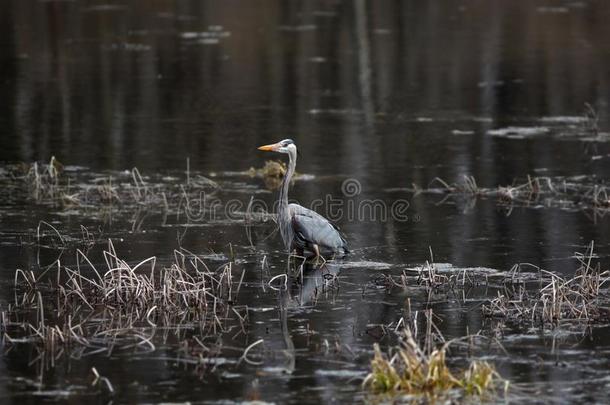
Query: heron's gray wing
311, 228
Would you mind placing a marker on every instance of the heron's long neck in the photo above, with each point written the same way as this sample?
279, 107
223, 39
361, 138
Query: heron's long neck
284, 219
283, 207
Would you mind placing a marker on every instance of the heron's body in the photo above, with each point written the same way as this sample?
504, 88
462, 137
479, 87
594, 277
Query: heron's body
303, 230
313, 234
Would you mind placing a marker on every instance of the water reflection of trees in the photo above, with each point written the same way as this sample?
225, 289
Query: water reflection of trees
117, 78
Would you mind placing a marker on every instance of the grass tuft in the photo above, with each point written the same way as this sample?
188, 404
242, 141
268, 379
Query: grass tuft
561, 192
422, 371
78, 311
583, 298
272, 173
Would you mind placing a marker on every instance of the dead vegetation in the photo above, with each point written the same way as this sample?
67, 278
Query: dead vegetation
272, 168
82, 310
556, 301
590, 121
420, 371
43, 182
272, 173
59, 186
440, 278
429, 276
574, 193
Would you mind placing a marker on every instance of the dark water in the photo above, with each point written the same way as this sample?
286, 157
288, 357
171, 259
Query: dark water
389, 93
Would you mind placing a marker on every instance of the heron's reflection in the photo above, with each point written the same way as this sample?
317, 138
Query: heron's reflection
308, 283
313, 281
289, 351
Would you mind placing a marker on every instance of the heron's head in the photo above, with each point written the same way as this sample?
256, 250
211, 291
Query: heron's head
285, 146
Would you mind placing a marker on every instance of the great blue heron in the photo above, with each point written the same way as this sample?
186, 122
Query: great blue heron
303, 230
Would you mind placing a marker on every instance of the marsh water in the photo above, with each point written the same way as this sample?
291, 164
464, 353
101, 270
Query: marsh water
381, 95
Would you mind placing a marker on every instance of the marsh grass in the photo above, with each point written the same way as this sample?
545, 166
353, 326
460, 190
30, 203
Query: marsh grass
82, 310
272, 173
581, 299
124, 194
428, 275
421, 371
580, 193
52, 184
43, 181
271, 168
591, 120
101, 382
435, 279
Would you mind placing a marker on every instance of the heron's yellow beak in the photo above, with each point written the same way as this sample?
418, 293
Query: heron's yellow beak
272, 147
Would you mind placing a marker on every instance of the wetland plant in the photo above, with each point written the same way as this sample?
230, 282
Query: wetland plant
421, 372
81, 310
52, 184
573, 192
43, 182
591, 120
581, 299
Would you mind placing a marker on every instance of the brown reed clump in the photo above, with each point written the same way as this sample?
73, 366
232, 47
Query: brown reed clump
539, 190
84, 310
52, 184
421, 372
272, 173
583, 298
43, 181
